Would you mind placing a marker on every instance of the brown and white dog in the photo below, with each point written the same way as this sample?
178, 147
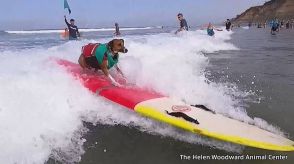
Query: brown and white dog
87, 60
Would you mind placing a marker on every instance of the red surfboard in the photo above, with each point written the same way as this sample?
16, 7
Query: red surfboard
126, 96
179, 114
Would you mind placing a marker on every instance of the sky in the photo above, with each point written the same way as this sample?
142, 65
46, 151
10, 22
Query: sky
48, 14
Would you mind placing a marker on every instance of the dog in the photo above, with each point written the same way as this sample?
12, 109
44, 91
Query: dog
88, 60
100, 56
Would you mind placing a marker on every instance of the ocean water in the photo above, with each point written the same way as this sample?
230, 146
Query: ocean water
46, 116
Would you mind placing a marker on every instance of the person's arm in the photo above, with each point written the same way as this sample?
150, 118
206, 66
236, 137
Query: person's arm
179, 30
186, 27
217, 29
182, 24
79, 35
181, 27
66, 21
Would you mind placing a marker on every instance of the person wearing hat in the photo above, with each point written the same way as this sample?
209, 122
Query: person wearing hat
183, 23
73, 29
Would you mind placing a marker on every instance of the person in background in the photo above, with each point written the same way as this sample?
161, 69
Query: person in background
210, 29
282, 24
73, 29
183, 23
288, 24
117, 32
274, 26
249, 24
228, 25
65, 33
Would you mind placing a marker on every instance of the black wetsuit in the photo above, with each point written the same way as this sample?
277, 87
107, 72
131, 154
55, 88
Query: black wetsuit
183, 24
73, 31
228, 25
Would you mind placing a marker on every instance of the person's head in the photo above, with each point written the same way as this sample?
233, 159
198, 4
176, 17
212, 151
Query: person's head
117, 45
180, 16
116, 24
228, 20
72, 21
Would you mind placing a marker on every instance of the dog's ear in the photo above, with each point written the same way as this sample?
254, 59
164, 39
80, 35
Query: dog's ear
123, 41
110, 44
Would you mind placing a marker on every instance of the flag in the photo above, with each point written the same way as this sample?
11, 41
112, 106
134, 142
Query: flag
66, 6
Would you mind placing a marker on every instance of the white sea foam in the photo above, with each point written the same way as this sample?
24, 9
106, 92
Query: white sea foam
81, 30
42, 107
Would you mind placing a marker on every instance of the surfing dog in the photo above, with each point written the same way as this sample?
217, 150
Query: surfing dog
87, 60
100, 56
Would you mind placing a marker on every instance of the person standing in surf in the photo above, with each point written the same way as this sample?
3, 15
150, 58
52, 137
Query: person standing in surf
210, 29
183, 23
228, 25
275, 26
288, 24
65, 33
73, 29
117, 32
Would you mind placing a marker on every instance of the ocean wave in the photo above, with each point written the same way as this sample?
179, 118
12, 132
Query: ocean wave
42, 107
81, 30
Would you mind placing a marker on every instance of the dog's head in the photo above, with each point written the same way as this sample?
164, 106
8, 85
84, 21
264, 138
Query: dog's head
117, 45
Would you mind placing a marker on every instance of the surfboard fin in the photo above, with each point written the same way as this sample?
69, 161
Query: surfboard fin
182, 115
204, 108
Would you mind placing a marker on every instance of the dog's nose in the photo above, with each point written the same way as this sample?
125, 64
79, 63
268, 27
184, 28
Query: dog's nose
124, 50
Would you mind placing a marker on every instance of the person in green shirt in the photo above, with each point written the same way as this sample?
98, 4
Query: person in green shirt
103, 56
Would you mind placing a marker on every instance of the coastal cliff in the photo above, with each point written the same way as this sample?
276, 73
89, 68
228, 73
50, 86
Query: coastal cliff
281, 9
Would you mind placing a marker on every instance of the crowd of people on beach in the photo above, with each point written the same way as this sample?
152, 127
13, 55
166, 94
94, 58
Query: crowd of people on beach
287, 24
275, 24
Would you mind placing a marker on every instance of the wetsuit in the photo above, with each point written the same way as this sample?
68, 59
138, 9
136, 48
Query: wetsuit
183, 24
228, 25
73, 31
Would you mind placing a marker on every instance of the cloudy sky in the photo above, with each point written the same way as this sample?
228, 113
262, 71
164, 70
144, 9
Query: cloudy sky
42, 14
